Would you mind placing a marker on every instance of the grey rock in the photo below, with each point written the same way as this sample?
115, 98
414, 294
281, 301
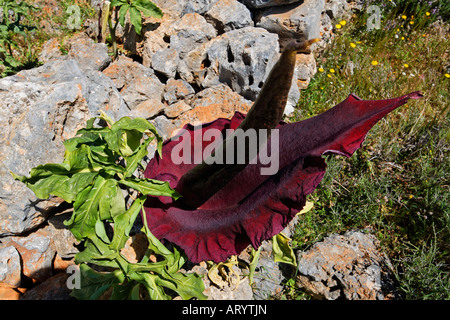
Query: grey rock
10, 267
257, 4
36, 253
177, 90
197, 6
337, 9
189, 32
63, 240
124, 70
54, 288
227, 15
240, 58
298, 20
348, 266
165, 126
88, 54
176, 109
185, 6
41, 108
166, 62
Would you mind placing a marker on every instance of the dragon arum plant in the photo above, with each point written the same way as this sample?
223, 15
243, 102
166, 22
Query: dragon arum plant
227, 206
98, 164
224, 207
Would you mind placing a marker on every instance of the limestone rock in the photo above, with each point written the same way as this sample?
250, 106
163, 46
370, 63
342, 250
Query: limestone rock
212, 103
227, 15
256, 4
88, 54
9, 292
348, 266
305, 69
37, 252
166, 62
63, 240
176, 109
189, 32
298, 20
177, 90
54, 288
185, 6
10, 267
41, 108
337, 9
240, 58
148, 109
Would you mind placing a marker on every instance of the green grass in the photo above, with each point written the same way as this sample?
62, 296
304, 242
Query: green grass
397, 184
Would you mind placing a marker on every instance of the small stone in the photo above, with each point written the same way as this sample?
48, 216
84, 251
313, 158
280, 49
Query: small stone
9, 292
63, 240
147, 109
54, 288
177, 90
189, 32
165, 127
135, 248
176, 109
166, 62
348, 266
51, 51
212, 103
297, 20
227, 15
256, 4
89, 55
10, 267
141, 89
37, 252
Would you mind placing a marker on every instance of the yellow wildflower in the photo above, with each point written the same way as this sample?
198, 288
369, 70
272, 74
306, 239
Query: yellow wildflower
329, 75
338, 26
332, 71
447, 75
352, 45
427, 13
411, 22
404, 17
374, 62
321, 69
406, 65
343, 22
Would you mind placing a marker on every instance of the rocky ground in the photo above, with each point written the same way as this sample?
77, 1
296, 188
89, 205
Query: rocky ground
203, 60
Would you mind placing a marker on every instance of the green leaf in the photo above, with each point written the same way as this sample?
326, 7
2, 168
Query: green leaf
136, 19
86, 208
135, 159
118, 3
186, 285
57, 180
122, 13
148, 8
94, 284
151, 187
254, 263
124, 222
282, 251
150, 281
101, 232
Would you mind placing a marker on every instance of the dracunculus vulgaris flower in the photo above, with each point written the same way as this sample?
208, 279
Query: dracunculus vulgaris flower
225, 207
